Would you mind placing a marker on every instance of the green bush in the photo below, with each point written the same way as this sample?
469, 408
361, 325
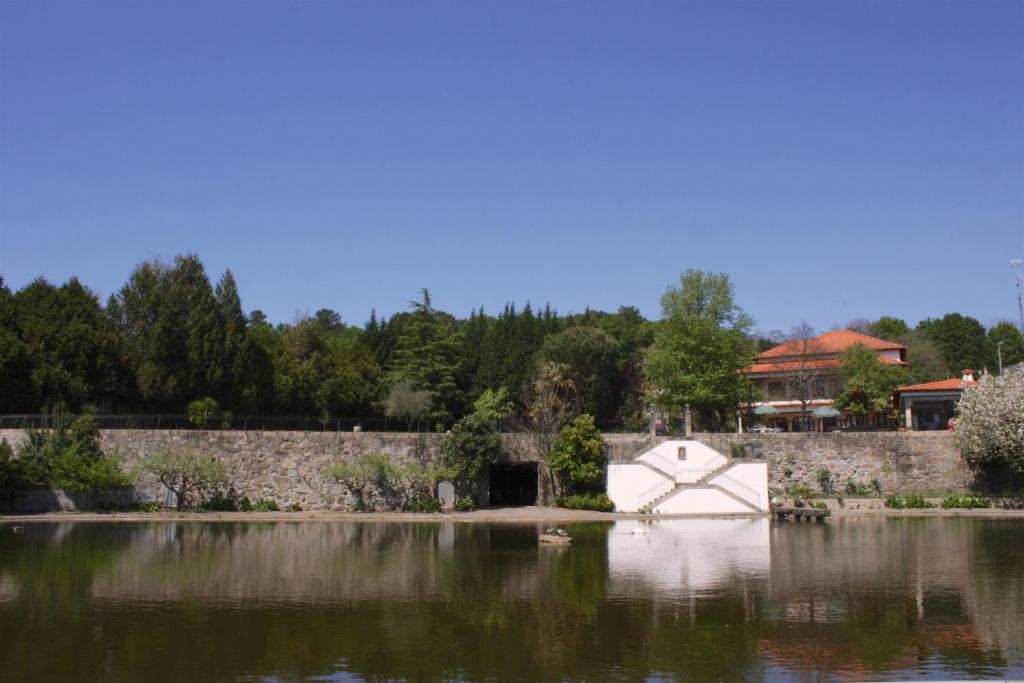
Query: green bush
911, 502
465, 505
599, 502
294, 507
202, 412
965, 502
259, 505
475, 441
67, 456
577, 456
424, 504
825, 481
854, 488
737, 449
820, 505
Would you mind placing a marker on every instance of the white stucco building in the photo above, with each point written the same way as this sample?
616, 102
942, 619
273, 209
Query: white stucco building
688, 477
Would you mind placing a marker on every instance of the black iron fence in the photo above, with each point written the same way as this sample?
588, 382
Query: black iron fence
245, 423
265, 423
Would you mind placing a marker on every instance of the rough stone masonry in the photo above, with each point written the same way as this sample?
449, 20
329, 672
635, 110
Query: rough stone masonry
288, 467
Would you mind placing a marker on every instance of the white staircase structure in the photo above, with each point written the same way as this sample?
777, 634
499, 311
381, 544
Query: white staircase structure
688, 478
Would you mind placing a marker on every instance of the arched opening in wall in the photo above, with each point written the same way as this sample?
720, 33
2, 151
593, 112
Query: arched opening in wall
513, 484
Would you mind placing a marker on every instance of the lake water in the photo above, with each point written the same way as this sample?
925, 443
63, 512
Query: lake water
728, 599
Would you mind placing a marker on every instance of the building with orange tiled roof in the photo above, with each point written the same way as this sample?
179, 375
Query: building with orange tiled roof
932, 405
800, 377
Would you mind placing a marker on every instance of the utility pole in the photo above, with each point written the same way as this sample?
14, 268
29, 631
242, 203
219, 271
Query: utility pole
999, 351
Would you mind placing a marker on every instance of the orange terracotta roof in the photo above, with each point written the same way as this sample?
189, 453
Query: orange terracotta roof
789, 366
835, 341
792, 366
940, 385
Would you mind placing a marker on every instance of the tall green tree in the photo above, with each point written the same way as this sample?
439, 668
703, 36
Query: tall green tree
888, 328
1012, 342
239, 384
700, 345
869, 382
590, 356
923, 355
961, 341
66, 340
179, 339
427, 355
18, 394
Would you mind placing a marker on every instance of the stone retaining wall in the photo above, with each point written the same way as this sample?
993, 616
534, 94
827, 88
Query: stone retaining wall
289, 466
907, 462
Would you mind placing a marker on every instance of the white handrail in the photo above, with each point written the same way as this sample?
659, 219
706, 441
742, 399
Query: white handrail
739, 489
699, 475
660, 462
653, 493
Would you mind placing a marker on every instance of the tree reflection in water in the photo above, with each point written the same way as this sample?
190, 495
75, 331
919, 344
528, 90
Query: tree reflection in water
726, 599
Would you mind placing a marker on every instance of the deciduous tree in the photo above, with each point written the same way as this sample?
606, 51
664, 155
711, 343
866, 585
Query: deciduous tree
869, 382
699, 347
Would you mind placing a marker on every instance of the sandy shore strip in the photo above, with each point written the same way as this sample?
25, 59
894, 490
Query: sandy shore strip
491, 516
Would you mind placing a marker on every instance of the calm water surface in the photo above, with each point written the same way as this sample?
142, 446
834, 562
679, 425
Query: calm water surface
853, 599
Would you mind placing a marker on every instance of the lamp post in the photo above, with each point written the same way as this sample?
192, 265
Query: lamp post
999, 351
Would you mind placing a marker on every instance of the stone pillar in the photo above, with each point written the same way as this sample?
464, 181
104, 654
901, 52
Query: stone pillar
908, 416
739, 423
689, 422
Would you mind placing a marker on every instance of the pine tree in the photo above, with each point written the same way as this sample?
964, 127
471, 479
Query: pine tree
427, 355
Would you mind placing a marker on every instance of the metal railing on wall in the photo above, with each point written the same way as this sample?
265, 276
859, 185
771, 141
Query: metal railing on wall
245, 423
266, 423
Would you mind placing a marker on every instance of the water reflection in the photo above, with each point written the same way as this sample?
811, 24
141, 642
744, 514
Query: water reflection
728, 599
669, 557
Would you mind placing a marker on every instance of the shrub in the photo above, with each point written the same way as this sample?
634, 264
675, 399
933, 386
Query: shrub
67, 456
577, 456
260, 505
294, 507
465, 505
911, 502
820, 505
202, 412
825, 481
377, 483
599, 502
855, 488
916, 502
424, 504
965, 502
191, 477
990, 421
12, 473
475, 441
876, 485
737, 449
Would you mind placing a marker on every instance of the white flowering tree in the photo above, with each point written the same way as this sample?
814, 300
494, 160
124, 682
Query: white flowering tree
990, 421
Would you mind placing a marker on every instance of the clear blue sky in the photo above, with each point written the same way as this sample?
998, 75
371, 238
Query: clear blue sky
837, 159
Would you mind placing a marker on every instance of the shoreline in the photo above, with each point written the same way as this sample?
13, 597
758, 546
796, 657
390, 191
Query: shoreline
489, 516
